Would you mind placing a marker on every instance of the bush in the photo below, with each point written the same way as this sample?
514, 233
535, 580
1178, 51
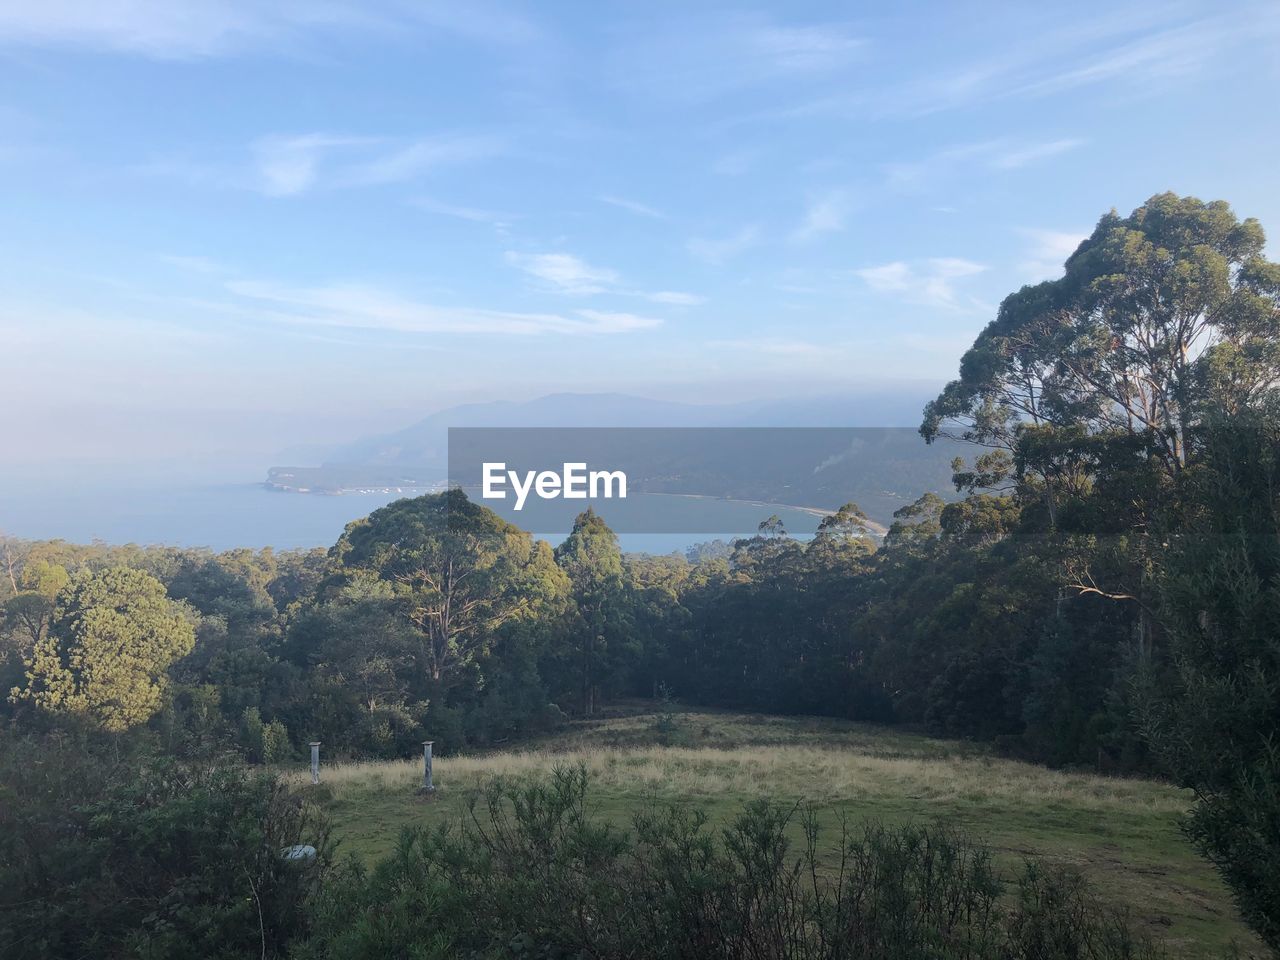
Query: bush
666, 727
530, 873
265, 742
147, 858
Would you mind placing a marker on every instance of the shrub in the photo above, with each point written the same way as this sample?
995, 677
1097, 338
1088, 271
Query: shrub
265, 742
530, 873
147, 858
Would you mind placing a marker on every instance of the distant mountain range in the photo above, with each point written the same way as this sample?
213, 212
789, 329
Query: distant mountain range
416, 457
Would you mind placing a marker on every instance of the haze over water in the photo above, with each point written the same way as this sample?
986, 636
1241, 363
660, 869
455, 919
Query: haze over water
226, 515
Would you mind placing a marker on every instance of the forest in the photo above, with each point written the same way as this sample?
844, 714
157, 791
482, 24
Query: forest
1103, 596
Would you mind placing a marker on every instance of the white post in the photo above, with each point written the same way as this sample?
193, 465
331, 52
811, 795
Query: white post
427, 785
315, 761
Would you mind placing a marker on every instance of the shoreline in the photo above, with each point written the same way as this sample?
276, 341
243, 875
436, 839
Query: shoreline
876, 527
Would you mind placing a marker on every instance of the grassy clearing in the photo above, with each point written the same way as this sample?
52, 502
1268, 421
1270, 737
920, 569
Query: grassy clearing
1122, 833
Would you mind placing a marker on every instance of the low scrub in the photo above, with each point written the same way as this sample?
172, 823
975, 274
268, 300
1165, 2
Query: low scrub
531, 873
111, 856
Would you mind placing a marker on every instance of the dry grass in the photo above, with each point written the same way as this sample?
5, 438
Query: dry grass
817, 773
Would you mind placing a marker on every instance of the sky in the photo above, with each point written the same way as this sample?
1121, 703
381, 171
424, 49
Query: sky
234, 227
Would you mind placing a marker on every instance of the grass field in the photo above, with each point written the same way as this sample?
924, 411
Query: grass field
1123, 833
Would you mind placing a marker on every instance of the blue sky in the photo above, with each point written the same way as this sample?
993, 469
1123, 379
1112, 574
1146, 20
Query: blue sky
235, 226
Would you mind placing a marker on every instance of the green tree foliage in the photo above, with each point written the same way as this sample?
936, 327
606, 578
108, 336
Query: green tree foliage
356, 653
265, 742
27, 613
113, 635
458, 571
776, 627
592, 561
1130, 415
107, 851
1151, 305
1212, 717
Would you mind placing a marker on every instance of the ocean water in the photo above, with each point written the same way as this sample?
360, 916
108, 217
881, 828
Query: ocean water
226, 515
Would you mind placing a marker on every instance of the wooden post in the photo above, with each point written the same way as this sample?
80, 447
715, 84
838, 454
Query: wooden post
427, 785
315, 761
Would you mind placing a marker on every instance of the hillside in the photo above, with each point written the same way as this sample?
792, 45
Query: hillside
1122, 833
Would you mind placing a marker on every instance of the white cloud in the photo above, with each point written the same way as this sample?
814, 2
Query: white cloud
640, 209
674, 297
952, 267
1143, 48
1048, 250
292, 165
564, 272
710, 54
825, 214
771, 345
154, 28
1037, 151
717, 251
472, 214
289, 165
930, 283
572, 275
197, 29
803, 49
419, 157
361, 307
735, 164
195, 264
938, 165
998, 154
1172, 52
607, 322
887, 278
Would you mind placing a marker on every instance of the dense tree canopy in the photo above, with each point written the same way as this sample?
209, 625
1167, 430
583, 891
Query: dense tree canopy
591, 559
113, 636
1155, 312
458, 571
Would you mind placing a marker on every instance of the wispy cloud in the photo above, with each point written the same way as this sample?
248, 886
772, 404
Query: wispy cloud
472, 214
199, 29
1138, 51
363, 307
771, 345
705, 55
288, 165
609, 322
196, 264
152, 28
735, 164
930, 283
1020, 157
1047, 252
412, 160
1141, 49
719, 250
826, 213
564, 272
675, 298
998, 154
1166, 53
632, 206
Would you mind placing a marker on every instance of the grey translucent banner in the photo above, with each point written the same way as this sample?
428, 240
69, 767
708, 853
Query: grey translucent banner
718, 481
